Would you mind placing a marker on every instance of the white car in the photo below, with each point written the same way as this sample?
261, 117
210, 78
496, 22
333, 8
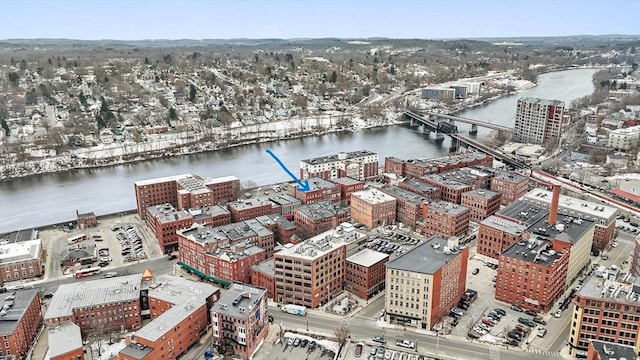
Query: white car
480, 330
406, 344
614, 244
558, 313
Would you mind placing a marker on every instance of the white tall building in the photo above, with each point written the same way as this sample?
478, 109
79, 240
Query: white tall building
538, 120
624, 139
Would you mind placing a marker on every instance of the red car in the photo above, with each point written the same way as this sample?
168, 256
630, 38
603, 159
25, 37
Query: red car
359, 349
488, 322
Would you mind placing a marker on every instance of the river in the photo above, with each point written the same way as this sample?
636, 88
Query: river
53, 198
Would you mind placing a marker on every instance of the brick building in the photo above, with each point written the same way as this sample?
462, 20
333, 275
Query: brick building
482, 203
496, 235
373, 208
65, 342
262, 277
315, 218
606, 308
21, 257
286, 203
511, 186
604, 216
359, 165
20, 321
240, 321
365, 273
234, 262
604, 350
408, 205
164, 221
423, 284
179, 311
444, 219
104, 305
246, 209
421, 167
185, 191
347, 187
319, 190
284, 231
86, 220
421, 188
450, 190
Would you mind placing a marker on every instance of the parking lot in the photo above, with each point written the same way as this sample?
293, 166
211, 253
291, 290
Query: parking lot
292, 346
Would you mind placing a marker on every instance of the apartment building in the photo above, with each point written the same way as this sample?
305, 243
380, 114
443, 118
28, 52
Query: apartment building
21, 257
359, 165
179, 311
233, 262
262, 276
603, 216
315, 218
423, 284
373, 208
606, 308
416, 168
511, 186
284, 231
247, 209
65, 342
98, 306
365, 273
164, 221
420, 188
285, 202
185, 191
496, 235
444, 219
347, 187
481, 203
240, 321
311, 272
20, 321
319, 190
408, 205
624, 139
450, 189
538, 121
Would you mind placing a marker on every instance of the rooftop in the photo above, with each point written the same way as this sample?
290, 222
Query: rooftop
419, 186
170, 319
406, 195
572, 206
249, 203
537, 250
265, 267
92, 293
136, 351
546, 102
481, 193
239, 300
165, 179
346, 181
321, 210
320, 244
230, 232
612, 285
613, 351
339, 157
446, 181
567, 228
316, 183
15, 304
18, 251
447, 207
177, 290
64, 338
507, 226
523, 212
367, 257
19, 236
426, 258
373, 196
167, 213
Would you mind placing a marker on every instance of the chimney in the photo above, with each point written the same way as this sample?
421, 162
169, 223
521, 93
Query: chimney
553, 210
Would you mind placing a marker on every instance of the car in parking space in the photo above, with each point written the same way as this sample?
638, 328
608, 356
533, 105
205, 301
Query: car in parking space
296, 342
531, 312
388, 354
558, 313
358, 351
462, 305
312, 345
539, 320
526, 322
48, 295
454, 315
517, 308
457, 311
291, 340
500, 311
484, 326
488, 321
522, 328
514, 335
542, 332
475, 271
304, 343
379, 352
614, 244
480, 330
379, 340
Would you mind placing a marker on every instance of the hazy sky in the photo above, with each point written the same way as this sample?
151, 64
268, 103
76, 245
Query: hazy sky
189, 19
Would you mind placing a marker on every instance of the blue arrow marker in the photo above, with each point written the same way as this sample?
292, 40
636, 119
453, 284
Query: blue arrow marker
304, 186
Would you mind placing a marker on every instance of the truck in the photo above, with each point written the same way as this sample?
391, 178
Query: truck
294, 309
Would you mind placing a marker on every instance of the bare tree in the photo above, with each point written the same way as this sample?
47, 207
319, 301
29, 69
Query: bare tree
342, 334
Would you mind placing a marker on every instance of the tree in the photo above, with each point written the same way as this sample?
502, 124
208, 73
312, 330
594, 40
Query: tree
5, 126
341, 332
14, 78
173, 115
333, 77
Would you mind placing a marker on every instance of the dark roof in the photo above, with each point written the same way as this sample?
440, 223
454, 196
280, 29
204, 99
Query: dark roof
425, 258
136, 351
619, 351
18, 305
535, 250
523, 212
567, 228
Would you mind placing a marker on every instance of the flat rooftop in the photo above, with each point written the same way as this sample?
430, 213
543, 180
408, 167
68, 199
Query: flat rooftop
167, 213
445, 181
92, 293
572, 206
567, 228
19, 251
507, 226
249, 204
613, 351
136, 351
173, 178
481, 193
265, 267
177, 290
419, 186
367, 257
18, 301
316, 183
545, 102
230, 232
339, 157
169, 319
346, 181
64, 338
239, 301
447, 207
321, 210
613, 286
425, 258
406, 195
523, 212
535, 250
319, 245
373, 196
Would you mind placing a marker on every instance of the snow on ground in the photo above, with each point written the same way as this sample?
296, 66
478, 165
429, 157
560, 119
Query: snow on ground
108, 351
332, 346
488, 338
631, 176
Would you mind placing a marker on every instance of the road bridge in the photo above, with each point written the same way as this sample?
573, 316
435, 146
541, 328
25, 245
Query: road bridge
474, 123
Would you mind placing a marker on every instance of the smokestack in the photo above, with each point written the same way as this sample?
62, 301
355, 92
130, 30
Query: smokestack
553, 210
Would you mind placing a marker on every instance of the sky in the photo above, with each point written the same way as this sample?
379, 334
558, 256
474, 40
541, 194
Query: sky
224, 19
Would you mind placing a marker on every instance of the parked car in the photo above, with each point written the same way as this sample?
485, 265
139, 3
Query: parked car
527, 322
531, 312
296, 342
488, 321
475, 271
462, 305
358, 351
48, 295
542, 332
514, 335
291, 341
379, 340
516, 308
500, 311
480, 330
457, 311
522, 328
558, 313
539, 320
406, 344
304, 343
